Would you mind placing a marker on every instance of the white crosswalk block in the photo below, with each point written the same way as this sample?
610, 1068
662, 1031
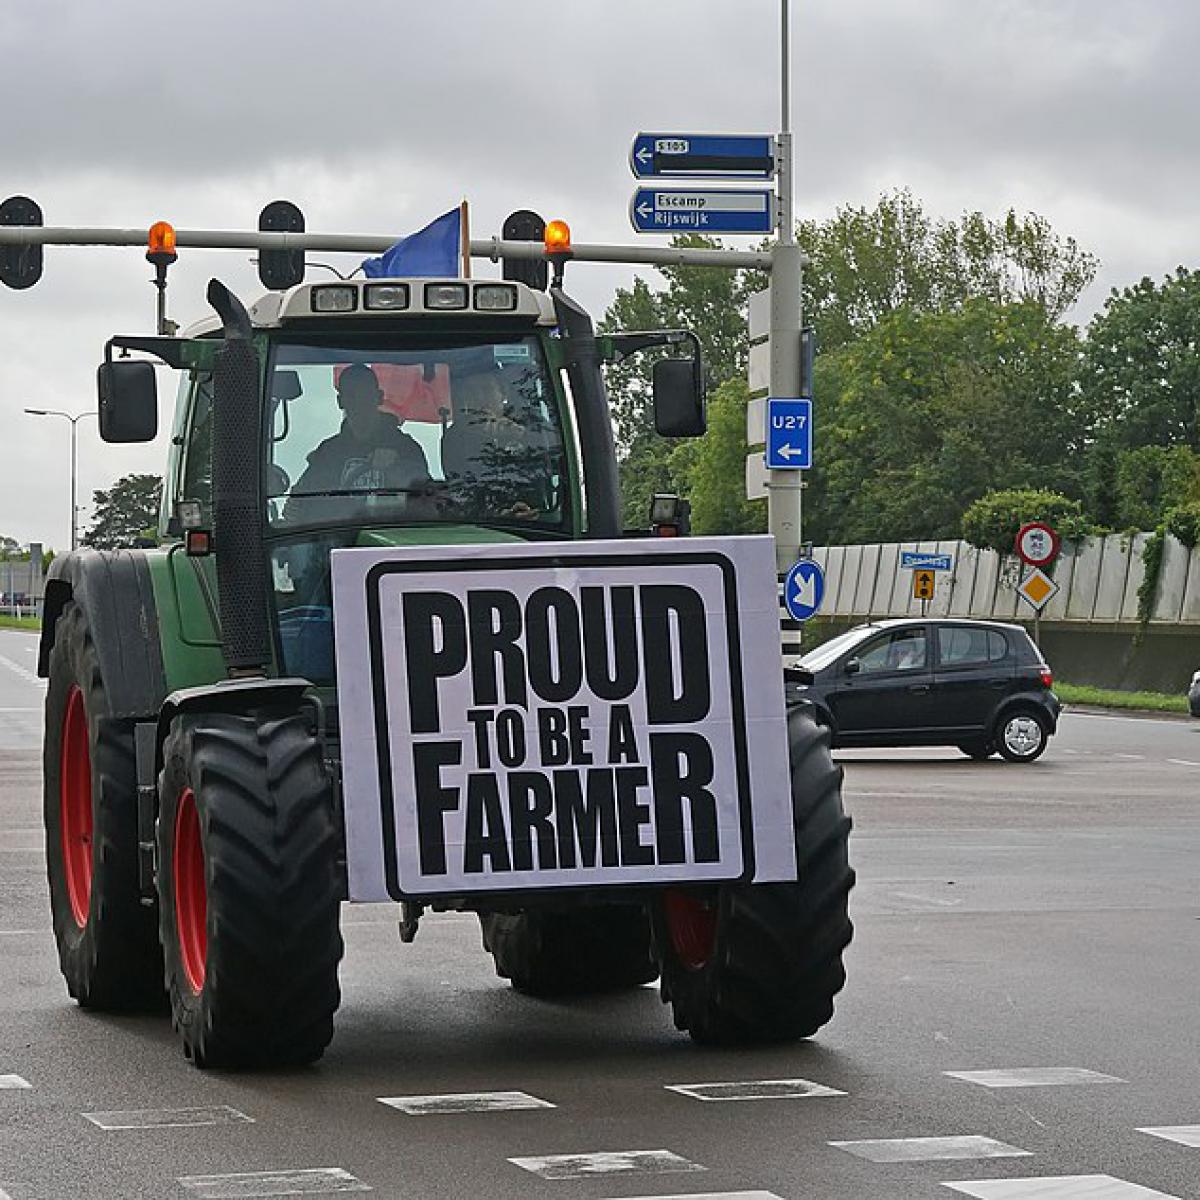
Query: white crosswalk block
1033, 1077
1185, 1135
318, 1181
1058, 1187
758, 1089
931, 1149
464, 1102
605, 1162
14, 1081
169, 1118
699, 1196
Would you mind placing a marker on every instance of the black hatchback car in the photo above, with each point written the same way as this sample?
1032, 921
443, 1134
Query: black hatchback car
978, 685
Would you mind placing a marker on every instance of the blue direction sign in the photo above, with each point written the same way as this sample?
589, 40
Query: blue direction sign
730, 210
702, 155
804, 589
917, 560
789, 434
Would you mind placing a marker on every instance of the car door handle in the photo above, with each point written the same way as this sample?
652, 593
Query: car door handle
918, 687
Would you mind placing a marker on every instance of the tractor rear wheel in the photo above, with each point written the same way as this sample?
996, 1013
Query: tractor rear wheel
107, 939
762, 962
598, 949
249, 889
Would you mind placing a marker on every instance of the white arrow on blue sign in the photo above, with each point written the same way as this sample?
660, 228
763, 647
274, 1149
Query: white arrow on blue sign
804, 589
691, 155
789, 434
730, 210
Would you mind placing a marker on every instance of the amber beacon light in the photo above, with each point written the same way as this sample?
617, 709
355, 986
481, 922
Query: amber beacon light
161, 244
558, 238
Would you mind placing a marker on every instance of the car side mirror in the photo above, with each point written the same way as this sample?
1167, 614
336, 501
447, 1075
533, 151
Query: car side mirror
679, 397
128, 395
852, 667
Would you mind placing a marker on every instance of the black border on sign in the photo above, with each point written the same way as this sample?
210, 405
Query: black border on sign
523, 562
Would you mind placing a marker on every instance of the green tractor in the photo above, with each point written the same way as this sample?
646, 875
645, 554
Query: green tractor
207, 736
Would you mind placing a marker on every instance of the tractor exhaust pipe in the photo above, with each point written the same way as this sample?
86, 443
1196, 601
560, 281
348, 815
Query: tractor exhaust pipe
242, 580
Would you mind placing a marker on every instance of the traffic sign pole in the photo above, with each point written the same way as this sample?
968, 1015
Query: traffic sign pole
784, 487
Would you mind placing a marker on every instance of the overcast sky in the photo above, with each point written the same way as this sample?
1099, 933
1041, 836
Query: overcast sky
377, 115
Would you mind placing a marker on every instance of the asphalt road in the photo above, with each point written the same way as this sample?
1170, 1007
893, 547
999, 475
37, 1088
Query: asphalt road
1008, 919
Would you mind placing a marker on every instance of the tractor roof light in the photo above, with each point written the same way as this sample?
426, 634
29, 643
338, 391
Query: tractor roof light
160, 246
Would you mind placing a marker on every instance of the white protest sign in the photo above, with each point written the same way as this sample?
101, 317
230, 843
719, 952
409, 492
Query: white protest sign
565, 714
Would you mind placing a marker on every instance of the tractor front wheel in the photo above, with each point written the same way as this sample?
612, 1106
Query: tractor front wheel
763, 962
249, 889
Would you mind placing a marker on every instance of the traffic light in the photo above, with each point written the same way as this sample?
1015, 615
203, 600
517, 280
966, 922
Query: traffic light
525, 226
280, 269
20, 266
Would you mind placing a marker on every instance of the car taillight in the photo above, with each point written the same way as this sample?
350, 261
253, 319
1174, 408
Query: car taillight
1047, 677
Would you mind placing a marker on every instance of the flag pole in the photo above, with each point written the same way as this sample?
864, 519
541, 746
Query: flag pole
464, 239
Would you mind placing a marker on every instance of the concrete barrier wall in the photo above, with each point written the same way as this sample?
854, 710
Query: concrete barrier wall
1098, 580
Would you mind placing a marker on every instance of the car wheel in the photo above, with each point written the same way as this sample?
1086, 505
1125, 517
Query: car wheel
1022, 735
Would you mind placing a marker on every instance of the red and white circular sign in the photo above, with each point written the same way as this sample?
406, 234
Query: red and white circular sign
1037, 543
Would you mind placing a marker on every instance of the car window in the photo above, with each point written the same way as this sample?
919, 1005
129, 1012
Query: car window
960, 645
903, 650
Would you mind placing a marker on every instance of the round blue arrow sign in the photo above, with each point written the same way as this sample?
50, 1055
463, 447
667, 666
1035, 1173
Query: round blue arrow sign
804, 589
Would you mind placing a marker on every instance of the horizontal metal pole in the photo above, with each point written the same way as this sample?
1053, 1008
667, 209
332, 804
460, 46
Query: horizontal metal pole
493, 248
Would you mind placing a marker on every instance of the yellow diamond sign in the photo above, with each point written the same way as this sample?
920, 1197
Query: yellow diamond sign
1036, 588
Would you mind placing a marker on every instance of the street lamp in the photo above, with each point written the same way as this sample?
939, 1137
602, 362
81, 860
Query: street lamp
54, 412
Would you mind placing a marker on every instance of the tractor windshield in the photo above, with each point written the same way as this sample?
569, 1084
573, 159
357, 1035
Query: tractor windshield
461, 431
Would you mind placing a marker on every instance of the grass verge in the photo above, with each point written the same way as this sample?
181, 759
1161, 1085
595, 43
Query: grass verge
7, 622
1072, 693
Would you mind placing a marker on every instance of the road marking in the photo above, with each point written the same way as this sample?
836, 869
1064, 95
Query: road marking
1183, 762
465, 1102
12, 710
605, 1162
698, 1196
758, 1089
313, 1182
23, 672
1033, 1077
1185, 1135
927, 899
1058, 1187
1132, 757
930, 1149
168, 1118
14, 1081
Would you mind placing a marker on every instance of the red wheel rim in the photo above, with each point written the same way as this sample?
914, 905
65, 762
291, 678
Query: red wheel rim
191, 895
692, 927
75, 807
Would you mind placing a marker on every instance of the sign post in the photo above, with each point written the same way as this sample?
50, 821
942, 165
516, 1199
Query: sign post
1037, 545
923, 580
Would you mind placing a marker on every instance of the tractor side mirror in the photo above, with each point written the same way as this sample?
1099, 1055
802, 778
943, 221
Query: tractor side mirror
679, 397
852, 667
128, 401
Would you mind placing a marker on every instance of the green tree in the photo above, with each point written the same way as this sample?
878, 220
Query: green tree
1149, 480
993, 521
928, 411
126, 511
866, 263
709, 301
715, 467
867, 266
1141, 367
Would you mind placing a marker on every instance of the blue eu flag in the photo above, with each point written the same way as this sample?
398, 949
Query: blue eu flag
432, 252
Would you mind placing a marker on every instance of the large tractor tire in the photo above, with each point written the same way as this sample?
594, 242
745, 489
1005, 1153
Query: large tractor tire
107, 939
574, 952
249, 889
745, 963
